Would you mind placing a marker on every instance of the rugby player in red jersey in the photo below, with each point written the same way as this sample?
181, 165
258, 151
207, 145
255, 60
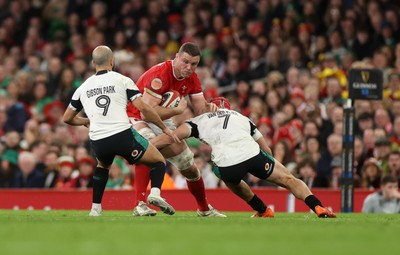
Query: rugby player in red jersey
177, 74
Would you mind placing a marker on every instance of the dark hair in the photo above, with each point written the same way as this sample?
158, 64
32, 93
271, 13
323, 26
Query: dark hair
388, 179
190, 48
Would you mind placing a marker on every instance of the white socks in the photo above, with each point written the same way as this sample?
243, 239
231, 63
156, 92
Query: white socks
155, 192
96, 206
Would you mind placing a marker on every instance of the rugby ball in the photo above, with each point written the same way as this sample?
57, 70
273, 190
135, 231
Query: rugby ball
170, 99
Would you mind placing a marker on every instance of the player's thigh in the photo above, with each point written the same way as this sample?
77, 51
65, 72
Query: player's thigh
280, 174
123, 144
151, 155
262, 165
104, 154
131, 145
231, 174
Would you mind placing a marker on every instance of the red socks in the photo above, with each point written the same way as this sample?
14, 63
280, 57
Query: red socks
198, 191
142, 178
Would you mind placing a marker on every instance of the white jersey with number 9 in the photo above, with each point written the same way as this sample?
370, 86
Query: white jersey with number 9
104, 97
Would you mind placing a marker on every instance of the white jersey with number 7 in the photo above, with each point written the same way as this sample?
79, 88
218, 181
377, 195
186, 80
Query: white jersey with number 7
231, 136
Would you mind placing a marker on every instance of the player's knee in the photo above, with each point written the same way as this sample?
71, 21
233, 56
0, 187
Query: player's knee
288, 180
183, 161
156, 154
191, 174
146, 133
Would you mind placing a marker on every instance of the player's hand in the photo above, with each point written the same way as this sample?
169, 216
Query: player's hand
87, 124
171, 134
208, 107
182, 105
212, 107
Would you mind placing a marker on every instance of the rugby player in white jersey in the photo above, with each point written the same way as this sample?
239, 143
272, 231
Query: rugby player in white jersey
239, 148
104, 97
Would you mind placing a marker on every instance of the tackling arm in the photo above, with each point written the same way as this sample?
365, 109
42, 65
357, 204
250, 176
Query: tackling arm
161, 141
263, 145
200, 105
258, 137
152, 116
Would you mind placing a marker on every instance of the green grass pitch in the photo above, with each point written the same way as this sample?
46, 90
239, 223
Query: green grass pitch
117, 232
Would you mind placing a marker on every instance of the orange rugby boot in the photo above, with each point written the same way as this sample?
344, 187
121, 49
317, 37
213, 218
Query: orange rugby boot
324, 212
267, 214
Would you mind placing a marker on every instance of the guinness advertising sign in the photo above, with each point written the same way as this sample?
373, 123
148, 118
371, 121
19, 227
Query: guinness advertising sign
365, 84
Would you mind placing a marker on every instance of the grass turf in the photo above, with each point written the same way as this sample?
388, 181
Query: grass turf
117, 232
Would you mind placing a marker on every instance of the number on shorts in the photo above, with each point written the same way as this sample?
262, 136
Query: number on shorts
103, 103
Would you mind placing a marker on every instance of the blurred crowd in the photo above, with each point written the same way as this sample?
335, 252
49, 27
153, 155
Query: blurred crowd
282, 63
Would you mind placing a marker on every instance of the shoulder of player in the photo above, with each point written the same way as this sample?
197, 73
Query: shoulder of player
158, 69
85, 84
197, 118
157, 73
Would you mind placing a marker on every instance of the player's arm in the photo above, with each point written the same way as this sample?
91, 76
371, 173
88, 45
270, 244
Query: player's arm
164, 113
161, 141
71, 116
152, 116
263, 145
200, 105
258, 137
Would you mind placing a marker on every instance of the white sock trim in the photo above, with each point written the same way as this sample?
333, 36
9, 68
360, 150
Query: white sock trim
96, 206
194, 179
155, 191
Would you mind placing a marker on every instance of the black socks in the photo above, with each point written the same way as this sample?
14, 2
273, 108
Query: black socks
157, 174
100, 179
312, 202
257, 204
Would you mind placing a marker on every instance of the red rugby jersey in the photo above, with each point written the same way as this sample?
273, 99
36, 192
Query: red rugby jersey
160, 79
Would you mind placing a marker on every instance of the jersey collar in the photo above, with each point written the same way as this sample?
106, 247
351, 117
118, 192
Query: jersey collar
102, 72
